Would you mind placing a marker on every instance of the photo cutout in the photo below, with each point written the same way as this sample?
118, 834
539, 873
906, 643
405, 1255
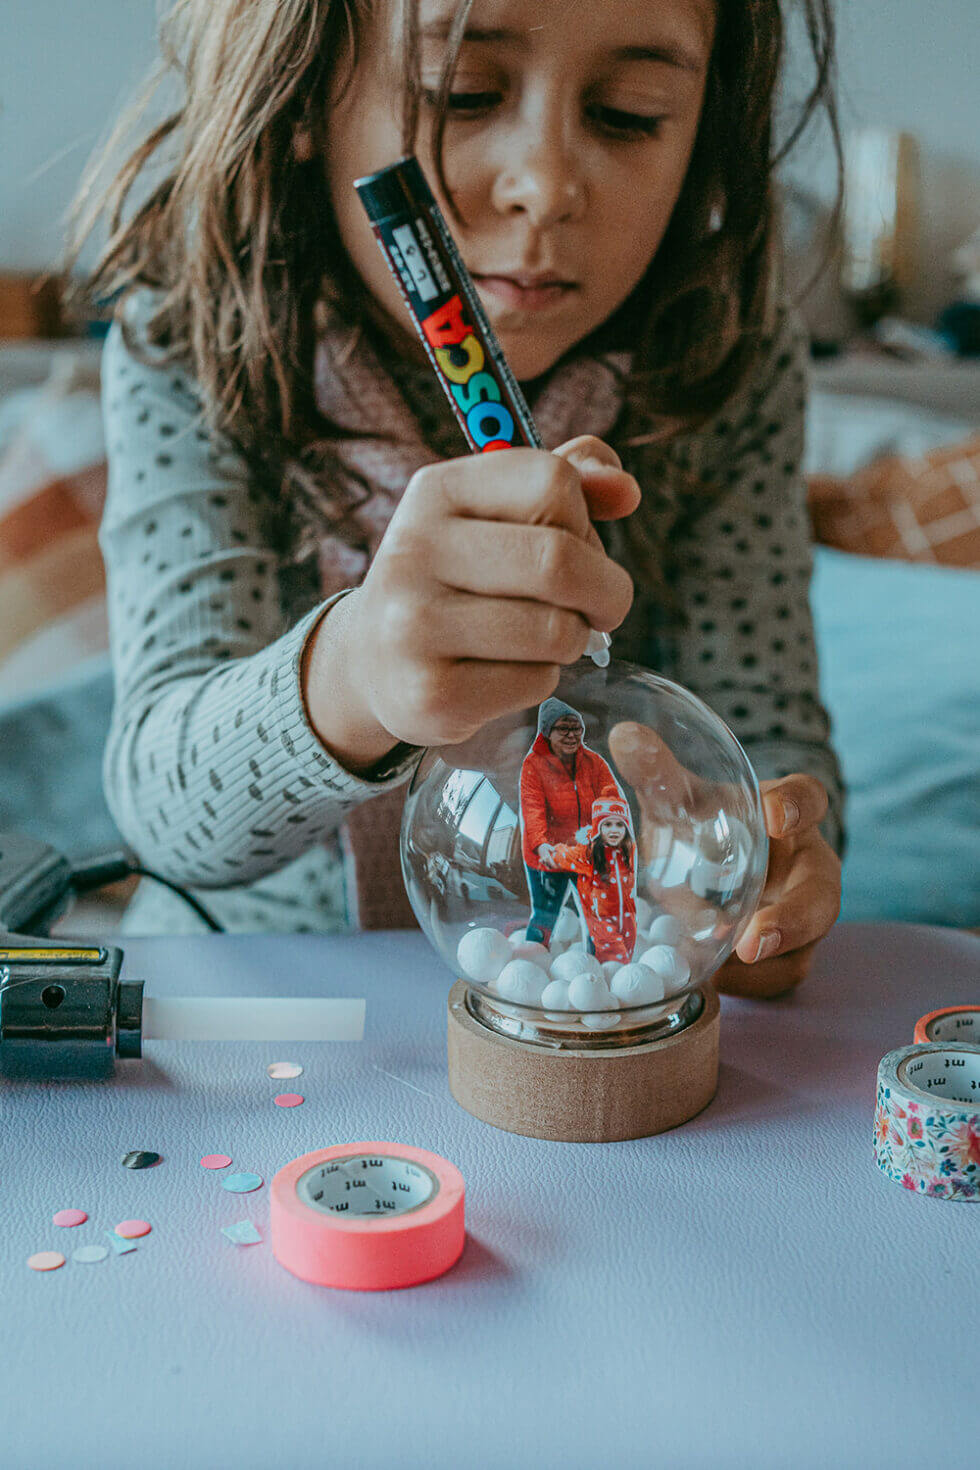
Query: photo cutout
579, 848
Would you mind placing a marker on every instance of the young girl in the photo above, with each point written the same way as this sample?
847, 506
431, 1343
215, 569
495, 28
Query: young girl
607, 879
310, 579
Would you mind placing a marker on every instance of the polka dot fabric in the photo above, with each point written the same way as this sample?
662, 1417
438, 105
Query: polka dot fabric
213, 771
742, 568
214, 774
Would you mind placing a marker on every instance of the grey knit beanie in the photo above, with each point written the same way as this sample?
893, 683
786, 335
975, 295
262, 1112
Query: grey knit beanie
552, 711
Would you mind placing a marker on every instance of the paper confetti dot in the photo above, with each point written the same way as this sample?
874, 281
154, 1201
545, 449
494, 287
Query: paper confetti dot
283, 1070
131, 1229
242, 1183
141, 1159
120, 1246
215, 1161
244, 1233
289, 1099
69, 1217
46, 1261
87, 1253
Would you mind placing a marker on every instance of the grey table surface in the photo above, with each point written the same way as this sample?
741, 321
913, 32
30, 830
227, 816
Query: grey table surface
747, 1290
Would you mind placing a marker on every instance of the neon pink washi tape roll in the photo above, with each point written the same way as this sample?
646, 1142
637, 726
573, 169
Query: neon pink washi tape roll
953, 1023
368, 1216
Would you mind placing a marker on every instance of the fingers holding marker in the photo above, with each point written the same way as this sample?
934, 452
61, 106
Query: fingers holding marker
501, 559
495, 628
610, 491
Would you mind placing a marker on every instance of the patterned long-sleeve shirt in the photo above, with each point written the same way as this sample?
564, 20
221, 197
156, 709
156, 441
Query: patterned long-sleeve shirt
213, 771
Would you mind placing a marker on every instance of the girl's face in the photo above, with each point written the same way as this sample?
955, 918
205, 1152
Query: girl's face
570, 129
612, 831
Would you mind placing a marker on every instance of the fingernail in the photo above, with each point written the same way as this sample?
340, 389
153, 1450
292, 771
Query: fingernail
791, 814
768, 944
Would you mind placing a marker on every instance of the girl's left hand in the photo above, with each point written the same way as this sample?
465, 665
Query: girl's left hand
801, 897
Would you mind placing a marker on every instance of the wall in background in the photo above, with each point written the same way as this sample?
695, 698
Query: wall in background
912, 66
909, 64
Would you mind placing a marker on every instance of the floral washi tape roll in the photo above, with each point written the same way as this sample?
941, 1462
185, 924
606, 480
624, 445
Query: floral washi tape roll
368, 1216
927, 1119
953, 1023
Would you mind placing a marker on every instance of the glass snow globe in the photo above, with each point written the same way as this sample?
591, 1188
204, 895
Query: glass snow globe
586, 865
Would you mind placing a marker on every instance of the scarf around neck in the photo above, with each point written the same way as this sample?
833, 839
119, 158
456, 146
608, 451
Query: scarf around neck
356, 391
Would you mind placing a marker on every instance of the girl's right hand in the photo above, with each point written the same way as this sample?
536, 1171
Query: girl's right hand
488, 580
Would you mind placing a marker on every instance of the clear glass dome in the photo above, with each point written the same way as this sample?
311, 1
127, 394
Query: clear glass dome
584, 865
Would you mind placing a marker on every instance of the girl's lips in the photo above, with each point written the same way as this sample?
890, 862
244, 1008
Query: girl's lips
535, 298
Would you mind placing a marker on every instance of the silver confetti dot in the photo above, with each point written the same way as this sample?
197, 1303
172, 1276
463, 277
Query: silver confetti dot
141, 1159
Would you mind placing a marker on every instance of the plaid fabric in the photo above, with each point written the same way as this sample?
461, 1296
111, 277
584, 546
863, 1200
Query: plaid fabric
52, 582
921, 510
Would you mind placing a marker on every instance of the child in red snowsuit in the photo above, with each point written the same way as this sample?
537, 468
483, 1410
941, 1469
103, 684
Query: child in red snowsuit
606, 878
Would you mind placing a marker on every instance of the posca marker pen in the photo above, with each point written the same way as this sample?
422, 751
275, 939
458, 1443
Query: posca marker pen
448, 315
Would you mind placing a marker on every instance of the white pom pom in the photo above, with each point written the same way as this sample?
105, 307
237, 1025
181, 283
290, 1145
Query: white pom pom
568, 927
522, 982
666, 930
555, 996
517, 937
586, 993
575, 962
637, 985
600, 1020
482, 954
670, 965
536, 953
644, 914
611, 968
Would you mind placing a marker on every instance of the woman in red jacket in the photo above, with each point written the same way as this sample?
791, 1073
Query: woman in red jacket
606, 879
560, 779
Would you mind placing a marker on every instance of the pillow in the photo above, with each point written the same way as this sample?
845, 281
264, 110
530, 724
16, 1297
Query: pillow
845, 431
52, 489
925, 509
51, 762
900, 678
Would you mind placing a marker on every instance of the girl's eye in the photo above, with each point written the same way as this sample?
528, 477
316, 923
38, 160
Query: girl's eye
628, 124
611, 120
462, 102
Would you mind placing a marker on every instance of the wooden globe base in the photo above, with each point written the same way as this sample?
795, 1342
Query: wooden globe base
588, 1096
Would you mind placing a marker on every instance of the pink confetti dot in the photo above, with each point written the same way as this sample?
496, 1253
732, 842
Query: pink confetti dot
288, 1100
215, 1161
69, 1217
130, 1229
46, 1261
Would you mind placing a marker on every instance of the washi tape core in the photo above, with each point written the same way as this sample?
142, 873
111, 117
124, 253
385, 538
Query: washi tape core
949, 1074
368, 1185
953, 1023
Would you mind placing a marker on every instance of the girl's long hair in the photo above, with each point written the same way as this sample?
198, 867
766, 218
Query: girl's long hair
599, 860
237, 233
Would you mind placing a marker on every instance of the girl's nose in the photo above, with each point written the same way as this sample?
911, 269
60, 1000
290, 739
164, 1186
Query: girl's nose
544, 181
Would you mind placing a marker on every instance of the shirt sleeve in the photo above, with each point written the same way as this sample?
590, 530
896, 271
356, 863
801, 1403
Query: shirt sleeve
573, 859
741, 566
212, 770
533, 806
